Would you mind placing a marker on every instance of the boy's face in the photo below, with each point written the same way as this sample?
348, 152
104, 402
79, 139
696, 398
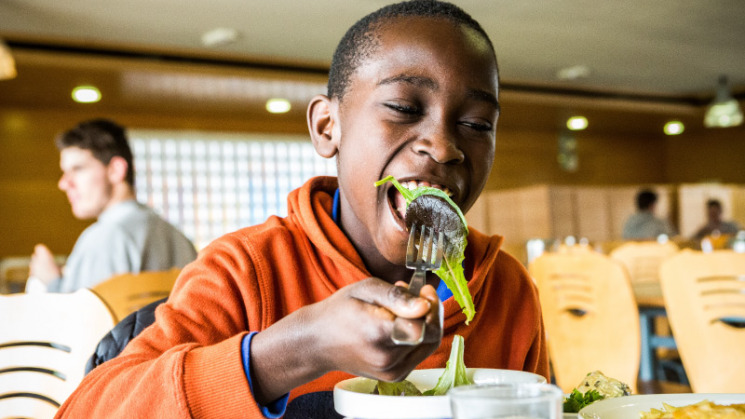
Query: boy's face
422, 107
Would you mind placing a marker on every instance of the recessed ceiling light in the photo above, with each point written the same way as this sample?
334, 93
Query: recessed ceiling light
573, 73
674, 128
86, 94
219, 36
278, 105
577, 123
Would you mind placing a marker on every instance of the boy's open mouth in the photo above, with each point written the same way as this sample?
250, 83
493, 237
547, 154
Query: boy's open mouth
398, 203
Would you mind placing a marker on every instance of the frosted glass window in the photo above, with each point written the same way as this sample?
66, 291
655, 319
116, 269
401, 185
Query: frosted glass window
209, 184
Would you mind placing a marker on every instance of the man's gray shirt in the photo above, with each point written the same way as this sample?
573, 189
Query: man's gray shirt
128, 237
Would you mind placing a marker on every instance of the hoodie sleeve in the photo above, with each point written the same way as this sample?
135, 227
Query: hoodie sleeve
188, 363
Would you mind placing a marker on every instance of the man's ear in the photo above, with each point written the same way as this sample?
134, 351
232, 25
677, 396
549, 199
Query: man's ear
117, 169
323, 125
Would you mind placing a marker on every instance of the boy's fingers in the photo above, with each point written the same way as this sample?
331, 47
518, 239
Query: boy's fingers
394, 298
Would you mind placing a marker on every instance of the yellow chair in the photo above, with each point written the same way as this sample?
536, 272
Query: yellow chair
127, 293
705, 299
45, 341
643, 259
590, 315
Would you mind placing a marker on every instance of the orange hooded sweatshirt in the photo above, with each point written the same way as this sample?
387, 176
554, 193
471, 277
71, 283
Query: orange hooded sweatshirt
188, 363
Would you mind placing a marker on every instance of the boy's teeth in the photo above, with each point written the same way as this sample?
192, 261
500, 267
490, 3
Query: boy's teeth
413, 184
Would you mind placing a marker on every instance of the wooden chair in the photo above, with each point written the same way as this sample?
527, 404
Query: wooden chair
590, 315
127, 293
642, 260
705, 299
45, 341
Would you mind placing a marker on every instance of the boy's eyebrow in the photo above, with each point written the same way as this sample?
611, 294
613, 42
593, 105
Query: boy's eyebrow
431, 84
484, 96
415, 80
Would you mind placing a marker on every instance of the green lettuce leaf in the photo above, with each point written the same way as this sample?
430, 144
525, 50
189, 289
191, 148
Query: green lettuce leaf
455, 370
451, 270
403, 388
577, 400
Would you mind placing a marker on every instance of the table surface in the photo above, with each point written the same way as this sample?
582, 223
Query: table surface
661, 387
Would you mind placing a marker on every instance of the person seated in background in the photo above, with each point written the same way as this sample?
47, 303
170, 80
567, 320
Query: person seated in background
715, 226
644, 225
98, 178
270, 317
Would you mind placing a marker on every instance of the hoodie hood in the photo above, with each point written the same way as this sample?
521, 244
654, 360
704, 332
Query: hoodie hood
311, 207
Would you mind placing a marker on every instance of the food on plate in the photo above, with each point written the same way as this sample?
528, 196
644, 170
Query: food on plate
454, 375
402, 388
701, 410
451, 270
595, 386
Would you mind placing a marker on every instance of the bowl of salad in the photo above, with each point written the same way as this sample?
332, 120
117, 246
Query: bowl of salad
424, 392
355, 398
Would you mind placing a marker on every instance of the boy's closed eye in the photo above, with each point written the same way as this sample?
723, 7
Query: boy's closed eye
478, 126
405, 109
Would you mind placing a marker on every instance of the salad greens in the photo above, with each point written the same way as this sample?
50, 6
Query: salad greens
402, 388
454, 375
451, 270
455, 370
577, 400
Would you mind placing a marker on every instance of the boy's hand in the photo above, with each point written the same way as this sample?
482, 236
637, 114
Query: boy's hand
349, 331
362, 343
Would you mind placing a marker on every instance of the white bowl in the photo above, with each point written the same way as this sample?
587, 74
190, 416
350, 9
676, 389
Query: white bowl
353, 398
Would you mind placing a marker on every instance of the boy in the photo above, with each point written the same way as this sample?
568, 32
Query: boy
412, 93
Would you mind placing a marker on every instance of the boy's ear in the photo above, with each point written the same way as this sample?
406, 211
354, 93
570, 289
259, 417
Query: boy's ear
323, 125
117, 169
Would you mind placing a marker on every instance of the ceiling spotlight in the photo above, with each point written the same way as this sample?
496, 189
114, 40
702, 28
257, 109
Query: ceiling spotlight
278, 105
577, 123
219, 36
86, 94
724, 111
674, 128
573, 73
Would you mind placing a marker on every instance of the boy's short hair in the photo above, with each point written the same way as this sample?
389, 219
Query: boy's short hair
104, 138
360, 41
645, 199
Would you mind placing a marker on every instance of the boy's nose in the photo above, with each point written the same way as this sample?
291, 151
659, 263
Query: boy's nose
441, 147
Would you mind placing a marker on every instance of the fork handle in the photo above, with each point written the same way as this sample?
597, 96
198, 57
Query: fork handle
417, 281
400, 334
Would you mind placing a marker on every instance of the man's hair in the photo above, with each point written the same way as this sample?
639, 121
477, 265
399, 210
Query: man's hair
645, 199
361, 41
104, 138
713, 203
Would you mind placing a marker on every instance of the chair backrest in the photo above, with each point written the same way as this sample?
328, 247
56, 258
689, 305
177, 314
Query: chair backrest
590, 315
127, 293
705, 300
45, 341
643, 259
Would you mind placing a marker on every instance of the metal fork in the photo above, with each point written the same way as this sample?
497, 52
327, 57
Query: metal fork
422, 255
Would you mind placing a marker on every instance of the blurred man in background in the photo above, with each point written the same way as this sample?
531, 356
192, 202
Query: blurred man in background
98, 178
715, 226
644, 225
